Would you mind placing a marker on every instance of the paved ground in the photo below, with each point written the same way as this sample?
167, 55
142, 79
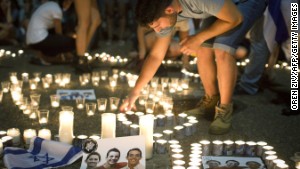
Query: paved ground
256, 118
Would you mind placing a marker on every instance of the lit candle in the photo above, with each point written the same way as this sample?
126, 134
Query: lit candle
54, 100
1, 148
45, 134
259, 148
146, 123
217, 148
15, 134
66, 119
161, 146
79, 106
108, 125
205, 147
28, 134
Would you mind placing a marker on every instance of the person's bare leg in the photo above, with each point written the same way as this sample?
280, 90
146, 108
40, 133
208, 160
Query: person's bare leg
227, 74
207, 70
95, 21
208, 74
83, 14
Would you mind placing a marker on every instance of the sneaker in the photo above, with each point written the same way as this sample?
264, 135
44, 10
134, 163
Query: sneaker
206, 106
222, 120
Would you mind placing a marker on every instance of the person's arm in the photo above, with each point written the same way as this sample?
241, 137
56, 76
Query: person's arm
185, 58
149, 68
227, 18
141, 41
57, 26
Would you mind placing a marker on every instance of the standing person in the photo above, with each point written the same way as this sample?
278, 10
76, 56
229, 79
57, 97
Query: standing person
92, 160
224, 25
88, 20
110, 19
134, 156
44, 32
112, 158
7, 28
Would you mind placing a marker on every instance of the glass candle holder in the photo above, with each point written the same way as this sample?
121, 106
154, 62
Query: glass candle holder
90, 108
43, 115
35, 99
33, 84
102, 102
114, 103
112, 82
5, 86
45, 83
149, 106
37, 76
55, 100
13, 77
80, 102
25, 77
103, 74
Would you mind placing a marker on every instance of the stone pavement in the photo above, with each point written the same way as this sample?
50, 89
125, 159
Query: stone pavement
255, 118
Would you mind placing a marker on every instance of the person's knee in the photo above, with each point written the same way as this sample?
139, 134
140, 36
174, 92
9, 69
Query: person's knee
222, 56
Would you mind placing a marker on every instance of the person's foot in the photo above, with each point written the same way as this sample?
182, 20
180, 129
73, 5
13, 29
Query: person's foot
81, 65
222, 120
205, 107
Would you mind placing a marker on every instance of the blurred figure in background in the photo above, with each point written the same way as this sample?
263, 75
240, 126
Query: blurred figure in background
44, 33
88, 21
111, 16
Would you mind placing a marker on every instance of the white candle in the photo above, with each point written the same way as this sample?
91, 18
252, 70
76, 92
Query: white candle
45, 134
15, 134
66, 119
146, 123
1, 148
28, 134
108, 127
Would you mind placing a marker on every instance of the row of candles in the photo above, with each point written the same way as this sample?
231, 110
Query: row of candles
63, 79
223, 148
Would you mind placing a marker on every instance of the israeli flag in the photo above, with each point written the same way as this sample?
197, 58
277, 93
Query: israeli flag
41, 154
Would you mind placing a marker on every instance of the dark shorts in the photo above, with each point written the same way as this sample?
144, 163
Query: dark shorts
55, 44
229, 41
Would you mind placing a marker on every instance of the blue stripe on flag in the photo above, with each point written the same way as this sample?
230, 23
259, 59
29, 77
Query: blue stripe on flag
276, 13
15, 152
37, 145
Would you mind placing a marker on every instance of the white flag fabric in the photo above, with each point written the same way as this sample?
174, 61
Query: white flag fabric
41, 154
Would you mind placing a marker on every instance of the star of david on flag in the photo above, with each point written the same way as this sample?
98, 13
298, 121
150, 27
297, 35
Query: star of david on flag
41, 154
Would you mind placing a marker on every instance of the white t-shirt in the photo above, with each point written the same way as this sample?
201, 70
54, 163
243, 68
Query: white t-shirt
41, 21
